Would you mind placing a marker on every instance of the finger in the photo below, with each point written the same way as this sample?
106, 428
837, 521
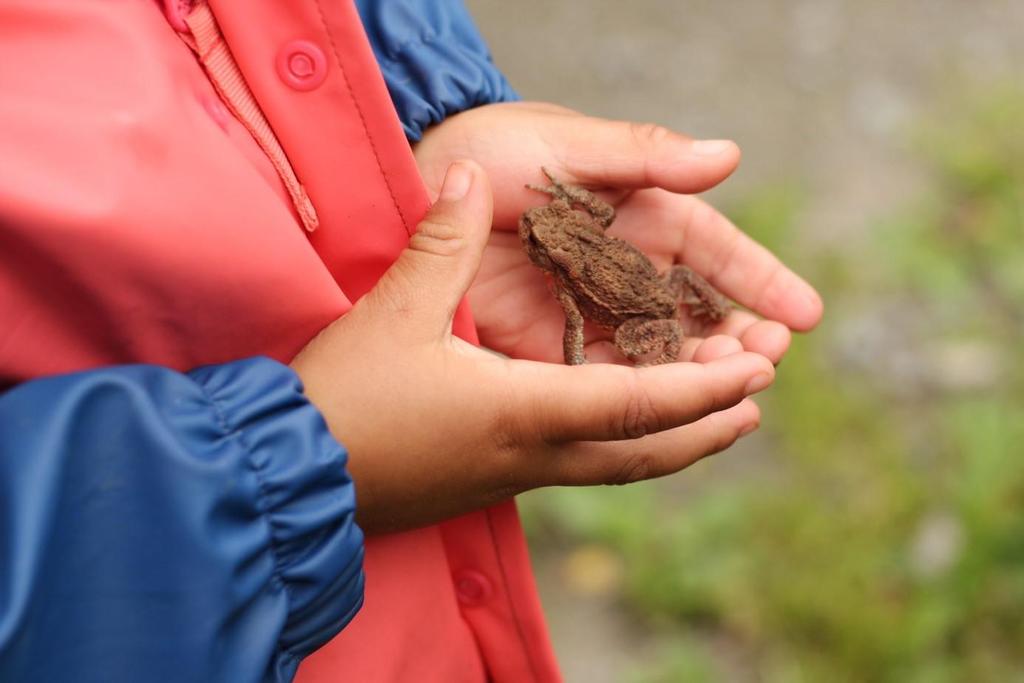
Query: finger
624, 154
744, 270
695, 349
611, 402
712, 348
769, 338
623, 462
431, 276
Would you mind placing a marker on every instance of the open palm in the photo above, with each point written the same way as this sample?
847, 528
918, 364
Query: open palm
645, 172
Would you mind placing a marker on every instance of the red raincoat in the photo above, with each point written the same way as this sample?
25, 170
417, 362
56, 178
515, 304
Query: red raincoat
158, 203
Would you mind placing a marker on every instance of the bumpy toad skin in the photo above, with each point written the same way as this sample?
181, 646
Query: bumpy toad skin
608, 281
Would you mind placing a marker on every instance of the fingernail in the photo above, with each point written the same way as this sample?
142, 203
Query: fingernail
748, 429
758, 382
456, 182
710, 148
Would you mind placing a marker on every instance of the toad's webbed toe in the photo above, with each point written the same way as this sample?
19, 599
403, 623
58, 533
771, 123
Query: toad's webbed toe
639, 338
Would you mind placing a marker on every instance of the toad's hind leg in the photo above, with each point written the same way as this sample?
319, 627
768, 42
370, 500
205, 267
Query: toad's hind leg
697, 294
572, 341
602, 211
638, 338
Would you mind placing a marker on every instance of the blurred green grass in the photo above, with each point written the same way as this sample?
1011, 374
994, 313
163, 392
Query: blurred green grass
880, 534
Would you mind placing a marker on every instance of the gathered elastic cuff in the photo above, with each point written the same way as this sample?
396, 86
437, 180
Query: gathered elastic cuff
443, 78
433, 58
306, 496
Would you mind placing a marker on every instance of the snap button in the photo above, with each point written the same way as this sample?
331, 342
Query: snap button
301, 65
471, 587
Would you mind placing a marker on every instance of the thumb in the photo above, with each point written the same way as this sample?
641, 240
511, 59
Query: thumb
433, 273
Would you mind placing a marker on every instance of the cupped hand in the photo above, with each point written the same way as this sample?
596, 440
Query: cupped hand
436, 427
649, 174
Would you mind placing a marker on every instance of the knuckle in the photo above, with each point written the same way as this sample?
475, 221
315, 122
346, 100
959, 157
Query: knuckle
439, 236
649, 134
502, 493
518, 445
639, 416
636, 467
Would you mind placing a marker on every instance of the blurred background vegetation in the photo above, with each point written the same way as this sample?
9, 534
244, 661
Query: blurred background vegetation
873, 530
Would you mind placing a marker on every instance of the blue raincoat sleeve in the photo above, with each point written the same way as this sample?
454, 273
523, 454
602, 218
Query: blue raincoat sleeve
160, 526
434, 61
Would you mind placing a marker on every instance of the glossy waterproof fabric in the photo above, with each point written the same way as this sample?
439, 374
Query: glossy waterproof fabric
163, 526
138, 223
410, 39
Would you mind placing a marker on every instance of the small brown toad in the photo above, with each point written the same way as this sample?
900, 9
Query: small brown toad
610, 282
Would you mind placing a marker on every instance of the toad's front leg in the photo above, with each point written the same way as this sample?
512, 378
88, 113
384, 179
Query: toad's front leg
697, 294
602, 211
572, 341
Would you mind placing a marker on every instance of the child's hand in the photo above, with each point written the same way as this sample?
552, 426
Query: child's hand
436, 427
644, 171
